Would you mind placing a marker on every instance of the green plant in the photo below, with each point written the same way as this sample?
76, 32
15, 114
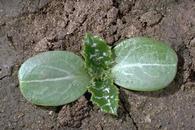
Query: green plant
60, 77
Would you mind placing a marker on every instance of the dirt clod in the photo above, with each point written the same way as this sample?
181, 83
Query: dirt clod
151, 18
72, 116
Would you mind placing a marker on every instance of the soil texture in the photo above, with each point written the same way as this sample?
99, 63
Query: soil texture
30, 27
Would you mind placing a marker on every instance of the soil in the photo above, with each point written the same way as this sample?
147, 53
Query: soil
28, 28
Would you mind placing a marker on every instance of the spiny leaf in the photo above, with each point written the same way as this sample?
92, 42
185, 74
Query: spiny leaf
53, 78
98, 59
144, 64
105, 95
97, 54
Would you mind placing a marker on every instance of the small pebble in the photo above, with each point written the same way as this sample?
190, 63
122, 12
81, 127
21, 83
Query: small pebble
50, 113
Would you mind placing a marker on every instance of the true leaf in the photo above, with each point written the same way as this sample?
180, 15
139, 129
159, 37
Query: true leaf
53, 78
105, 95
144, 64
98, 59
97, 55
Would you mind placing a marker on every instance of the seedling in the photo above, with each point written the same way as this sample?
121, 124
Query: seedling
59, 77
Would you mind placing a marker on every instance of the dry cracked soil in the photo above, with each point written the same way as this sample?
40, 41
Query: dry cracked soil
30, 27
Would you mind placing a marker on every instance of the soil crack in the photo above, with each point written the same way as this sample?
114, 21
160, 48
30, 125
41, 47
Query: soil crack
3, 77
125, 104
159, 21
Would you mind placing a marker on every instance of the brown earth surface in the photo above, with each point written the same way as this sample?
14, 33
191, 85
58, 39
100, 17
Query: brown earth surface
28, 28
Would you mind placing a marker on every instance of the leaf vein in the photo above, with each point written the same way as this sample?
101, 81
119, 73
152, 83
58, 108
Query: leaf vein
48, 80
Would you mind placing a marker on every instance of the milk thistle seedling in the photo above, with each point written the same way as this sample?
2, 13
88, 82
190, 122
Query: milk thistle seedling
59, 77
